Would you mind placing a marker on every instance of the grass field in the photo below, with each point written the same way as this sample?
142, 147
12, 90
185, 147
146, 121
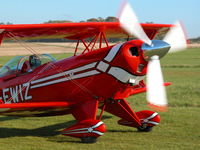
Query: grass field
178, 130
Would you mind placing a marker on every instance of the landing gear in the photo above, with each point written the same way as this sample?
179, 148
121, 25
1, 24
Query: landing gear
148, 119
88, 130
145, 128
88, 140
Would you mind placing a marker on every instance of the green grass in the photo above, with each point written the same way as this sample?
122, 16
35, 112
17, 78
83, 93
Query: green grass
178, 130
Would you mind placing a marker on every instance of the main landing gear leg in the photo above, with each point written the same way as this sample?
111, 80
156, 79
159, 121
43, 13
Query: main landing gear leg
142, 120
87, 128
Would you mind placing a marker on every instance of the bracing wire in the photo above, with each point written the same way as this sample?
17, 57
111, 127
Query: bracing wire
26, 46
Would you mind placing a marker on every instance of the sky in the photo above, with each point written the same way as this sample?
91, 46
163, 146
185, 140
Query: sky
157, 11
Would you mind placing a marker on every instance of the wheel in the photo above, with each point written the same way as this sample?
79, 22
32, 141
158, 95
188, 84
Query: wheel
88, 139
144, 128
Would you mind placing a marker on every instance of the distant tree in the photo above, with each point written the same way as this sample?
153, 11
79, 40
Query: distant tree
100, 19
9, 23
2, 23
92, 20
58, 21
111, 19
149, 22
195, 40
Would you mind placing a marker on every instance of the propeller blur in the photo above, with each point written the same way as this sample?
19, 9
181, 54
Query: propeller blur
153, 51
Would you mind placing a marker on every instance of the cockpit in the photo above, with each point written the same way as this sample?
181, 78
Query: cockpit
25, 64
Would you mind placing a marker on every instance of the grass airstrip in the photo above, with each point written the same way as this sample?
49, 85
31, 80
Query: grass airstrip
179, 128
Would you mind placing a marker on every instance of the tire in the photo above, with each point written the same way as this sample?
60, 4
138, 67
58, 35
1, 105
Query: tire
145, 129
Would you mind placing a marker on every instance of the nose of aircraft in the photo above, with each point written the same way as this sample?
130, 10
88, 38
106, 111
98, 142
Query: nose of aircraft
158, 47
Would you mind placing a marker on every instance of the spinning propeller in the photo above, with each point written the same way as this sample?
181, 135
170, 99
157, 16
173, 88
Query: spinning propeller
153, 50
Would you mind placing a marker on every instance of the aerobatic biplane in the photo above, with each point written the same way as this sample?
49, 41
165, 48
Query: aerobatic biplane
100, 77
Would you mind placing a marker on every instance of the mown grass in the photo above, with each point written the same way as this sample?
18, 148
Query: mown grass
179, 127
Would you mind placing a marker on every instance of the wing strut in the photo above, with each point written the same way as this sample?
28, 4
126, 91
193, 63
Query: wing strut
99, 40
2, 33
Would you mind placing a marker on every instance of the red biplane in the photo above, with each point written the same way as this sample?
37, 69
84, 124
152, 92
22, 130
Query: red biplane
97, 78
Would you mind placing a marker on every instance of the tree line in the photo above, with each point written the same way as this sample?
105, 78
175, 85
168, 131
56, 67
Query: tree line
195, 40
99, 19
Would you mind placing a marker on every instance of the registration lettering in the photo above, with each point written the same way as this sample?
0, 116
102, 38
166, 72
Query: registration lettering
16, 94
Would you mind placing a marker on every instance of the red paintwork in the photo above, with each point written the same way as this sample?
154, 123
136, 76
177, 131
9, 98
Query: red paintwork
85, 128
36, 105
122, 109
142, 115
80, 97
78, 30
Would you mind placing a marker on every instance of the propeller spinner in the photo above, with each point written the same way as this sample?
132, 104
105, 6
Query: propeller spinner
153, 51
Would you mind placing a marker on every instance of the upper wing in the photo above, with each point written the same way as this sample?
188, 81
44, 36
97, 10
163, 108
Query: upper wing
75, 31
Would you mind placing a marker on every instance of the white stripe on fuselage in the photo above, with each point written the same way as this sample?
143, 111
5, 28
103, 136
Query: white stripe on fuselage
113, 52
77, 76
123, 76
85, 67
68, 75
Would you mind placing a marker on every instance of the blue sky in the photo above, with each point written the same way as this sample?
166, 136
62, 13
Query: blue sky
158, 11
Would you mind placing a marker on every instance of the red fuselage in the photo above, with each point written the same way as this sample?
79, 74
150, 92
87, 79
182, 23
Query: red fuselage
101, 74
